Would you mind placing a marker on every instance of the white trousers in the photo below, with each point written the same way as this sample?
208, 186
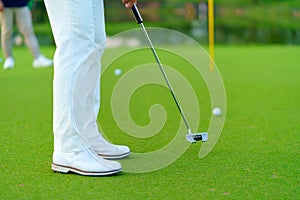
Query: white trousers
79, 33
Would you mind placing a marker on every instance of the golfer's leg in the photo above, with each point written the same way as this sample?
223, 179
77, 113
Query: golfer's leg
73, 89
6, 18
98, 143
100, 37
24, 23
73, 30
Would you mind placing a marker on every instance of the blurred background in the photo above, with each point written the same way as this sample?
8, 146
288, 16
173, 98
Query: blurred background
236, 21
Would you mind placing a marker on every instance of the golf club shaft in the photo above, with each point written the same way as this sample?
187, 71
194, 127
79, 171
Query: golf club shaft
139, 20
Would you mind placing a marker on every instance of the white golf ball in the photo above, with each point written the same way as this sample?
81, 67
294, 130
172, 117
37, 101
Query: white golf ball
216, 111
117, 72
18, 40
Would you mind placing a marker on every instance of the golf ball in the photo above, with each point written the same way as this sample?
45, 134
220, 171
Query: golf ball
216, 111
117, 72
18, 40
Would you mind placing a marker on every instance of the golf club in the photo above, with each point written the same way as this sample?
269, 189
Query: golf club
191, 137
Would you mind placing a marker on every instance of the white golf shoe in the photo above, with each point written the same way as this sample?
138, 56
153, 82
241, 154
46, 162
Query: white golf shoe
85, 162
42, 62
108, 150
9, 63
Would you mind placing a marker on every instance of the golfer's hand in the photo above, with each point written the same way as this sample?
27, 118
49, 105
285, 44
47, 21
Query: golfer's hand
1, 6
129, 3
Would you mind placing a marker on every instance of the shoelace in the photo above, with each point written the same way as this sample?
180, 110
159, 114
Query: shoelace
103, 141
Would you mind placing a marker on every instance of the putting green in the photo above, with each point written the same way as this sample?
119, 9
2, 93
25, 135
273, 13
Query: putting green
256, 156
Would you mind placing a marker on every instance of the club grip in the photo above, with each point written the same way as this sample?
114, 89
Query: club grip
136, 14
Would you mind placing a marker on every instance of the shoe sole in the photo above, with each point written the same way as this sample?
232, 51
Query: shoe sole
115, 157
66, 169
7, 68
41, 66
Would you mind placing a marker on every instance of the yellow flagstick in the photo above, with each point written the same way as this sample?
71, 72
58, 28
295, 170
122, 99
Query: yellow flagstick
211, 33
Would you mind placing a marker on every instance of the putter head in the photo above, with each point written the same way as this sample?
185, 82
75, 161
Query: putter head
196, 137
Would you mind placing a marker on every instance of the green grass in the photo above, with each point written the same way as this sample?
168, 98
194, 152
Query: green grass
256, 157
